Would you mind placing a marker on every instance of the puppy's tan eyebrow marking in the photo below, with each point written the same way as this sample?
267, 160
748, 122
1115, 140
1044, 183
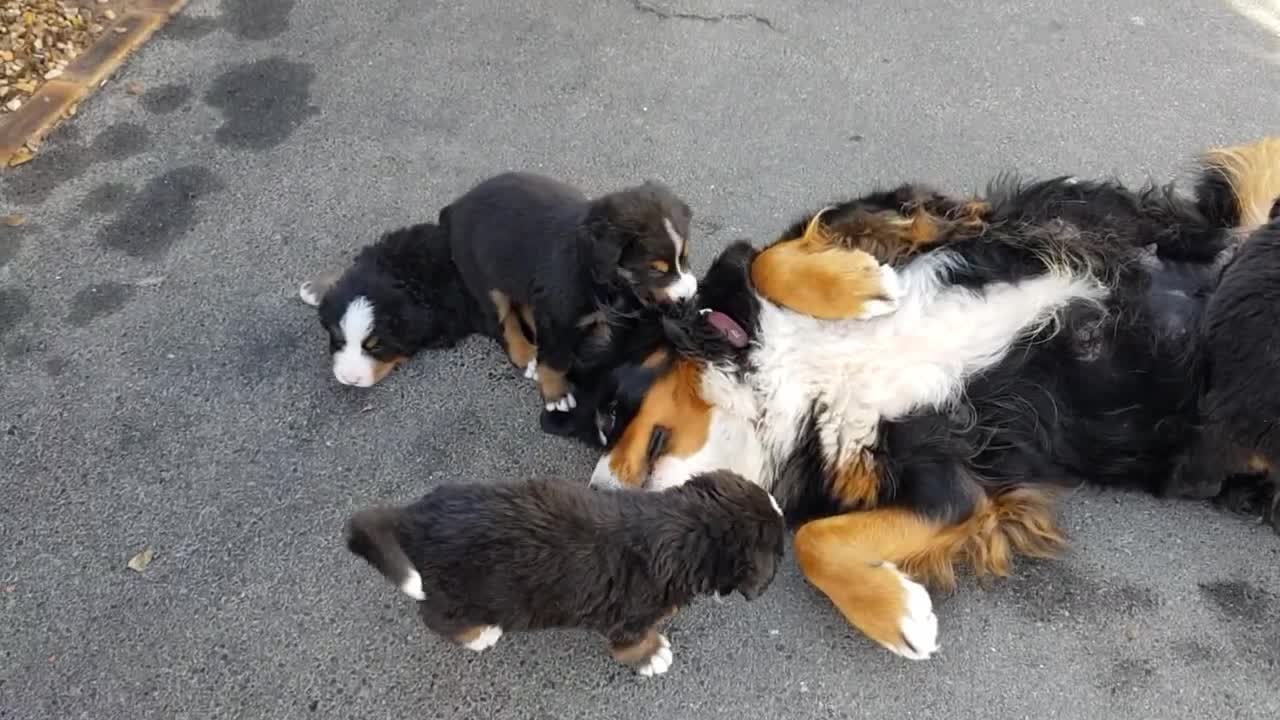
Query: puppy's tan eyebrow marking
676, 239
661, 266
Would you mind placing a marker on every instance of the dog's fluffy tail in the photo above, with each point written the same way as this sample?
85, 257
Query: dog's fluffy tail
1239, 186
374, 535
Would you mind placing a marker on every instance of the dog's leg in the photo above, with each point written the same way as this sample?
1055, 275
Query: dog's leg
851, 559
529, 330
313, 291
648, 652
523, 354
829, 283
555, 355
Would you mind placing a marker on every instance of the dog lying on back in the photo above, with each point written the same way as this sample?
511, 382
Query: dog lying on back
487, 559
523, 258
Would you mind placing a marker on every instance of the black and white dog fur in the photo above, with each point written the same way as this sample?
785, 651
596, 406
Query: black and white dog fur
523, 258
483, 559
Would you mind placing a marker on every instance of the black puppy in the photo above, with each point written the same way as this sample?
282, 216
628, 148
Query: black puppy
487, 559
539, 255
1237, 450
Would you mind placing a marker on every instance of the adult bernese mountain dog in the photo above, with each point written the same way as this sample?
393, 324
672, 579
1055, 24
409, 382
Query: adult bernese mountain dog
1042, 335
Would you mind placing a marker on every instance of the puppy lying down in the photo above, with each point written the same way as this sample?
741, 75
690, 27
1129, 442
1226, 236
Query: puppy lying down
486, 559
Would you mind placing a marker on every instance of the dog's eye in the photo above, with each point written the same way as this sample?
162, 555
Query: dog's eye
372, 345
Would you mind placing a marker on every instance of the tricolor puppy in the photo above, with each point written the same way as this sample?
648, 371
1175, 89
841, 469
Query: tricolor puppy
487, 559
540, 257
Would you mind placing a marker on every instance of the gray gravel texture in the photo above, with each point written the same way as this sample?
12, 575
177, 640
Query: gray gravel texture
162, 386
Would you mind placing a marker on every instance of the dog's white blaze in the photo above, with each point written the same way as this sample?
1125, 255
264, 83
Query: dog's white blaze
676, 239
352, 365
412, 586
864, 371
776, 507
683, 288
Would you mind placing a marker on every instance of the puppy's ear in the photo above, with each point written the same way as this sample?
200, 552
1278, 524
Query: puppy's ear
604, 238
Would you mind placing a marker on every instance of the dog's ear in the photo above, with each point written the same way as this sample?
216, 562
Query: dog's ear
604, 238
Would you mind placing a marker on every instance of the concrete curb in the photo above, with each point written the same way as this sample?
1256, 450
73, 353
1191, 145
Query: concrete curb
57, 99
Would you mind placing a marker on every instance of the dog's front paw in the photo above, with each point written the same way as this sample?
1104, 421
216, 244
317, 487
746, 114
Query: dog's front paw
891, 292
531, 370
660, 661
484, 638
564, 404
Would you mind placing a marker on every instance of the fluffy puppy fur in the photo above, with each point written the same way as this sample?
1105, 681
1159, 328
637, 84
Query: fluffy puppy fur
1043, 336
1236, 452
487, 559
537, 254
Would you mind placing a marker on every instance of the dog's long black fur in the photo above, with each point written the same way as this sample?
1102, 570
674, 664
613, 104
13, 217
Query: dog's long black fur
556, 554
1235, 454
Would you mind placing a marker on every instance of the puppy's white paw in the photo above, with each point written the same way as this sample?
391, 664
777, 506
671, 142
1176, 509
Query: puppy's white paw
919, 625
660, 661
891, 286
309, 294
487, 638
531, 370
564, 404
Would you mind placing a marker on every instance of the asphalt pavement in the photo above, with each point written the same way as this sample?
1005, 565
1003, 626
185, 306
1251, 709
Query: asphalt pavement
163, 388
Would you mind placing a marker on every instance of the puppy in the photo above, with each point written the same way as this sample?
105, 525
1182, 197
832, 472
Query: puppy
1236, 453
401, 295
538, 255
487, 559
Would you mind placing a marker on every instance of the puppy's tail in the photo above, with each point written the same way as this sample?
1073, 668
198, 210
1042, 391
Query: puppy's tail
1239, 186
373, 535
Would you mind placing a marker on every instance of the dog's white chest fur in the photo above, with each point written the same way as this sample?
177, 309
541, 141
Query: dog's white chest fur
859, 372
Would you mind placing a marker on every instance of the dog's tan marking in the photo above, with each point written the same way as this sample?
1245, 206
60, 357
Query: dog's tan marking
553, 383
1252, 170
674, 401
857, 484
469, 635
382, 368
526, 314
519, 349
661, 266
638, 652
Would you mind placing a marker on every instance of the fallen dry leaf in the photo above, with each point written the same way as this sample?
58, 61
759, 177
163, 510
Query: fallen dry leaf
20, 157
366, 408
140, 561
10, 588
134, 88
14, 220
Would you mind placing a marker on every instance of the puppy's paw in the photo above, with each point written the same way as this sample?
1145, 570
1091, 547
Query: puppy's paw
485, 638
531, 370
918, 623
660, 661
891, 291
564, 404
310, 293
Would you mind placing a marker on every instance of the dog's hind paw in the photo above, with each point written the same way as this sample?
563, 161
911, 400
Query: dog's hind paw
660, 661
564, 404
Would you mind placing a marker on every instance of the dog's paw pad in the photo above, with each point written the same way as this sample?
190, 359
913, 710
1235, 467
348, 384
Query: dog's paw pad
488, 637
564, 404
309, 293
660, 661
918, 624
531, 370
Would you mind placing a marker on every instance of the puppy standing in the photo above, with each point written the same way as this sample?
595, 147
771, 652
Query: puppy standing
488, 559
536, 252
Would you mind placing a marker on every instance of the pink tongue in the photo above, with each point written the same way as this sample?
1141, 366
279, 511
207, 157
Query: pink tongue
732, 331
